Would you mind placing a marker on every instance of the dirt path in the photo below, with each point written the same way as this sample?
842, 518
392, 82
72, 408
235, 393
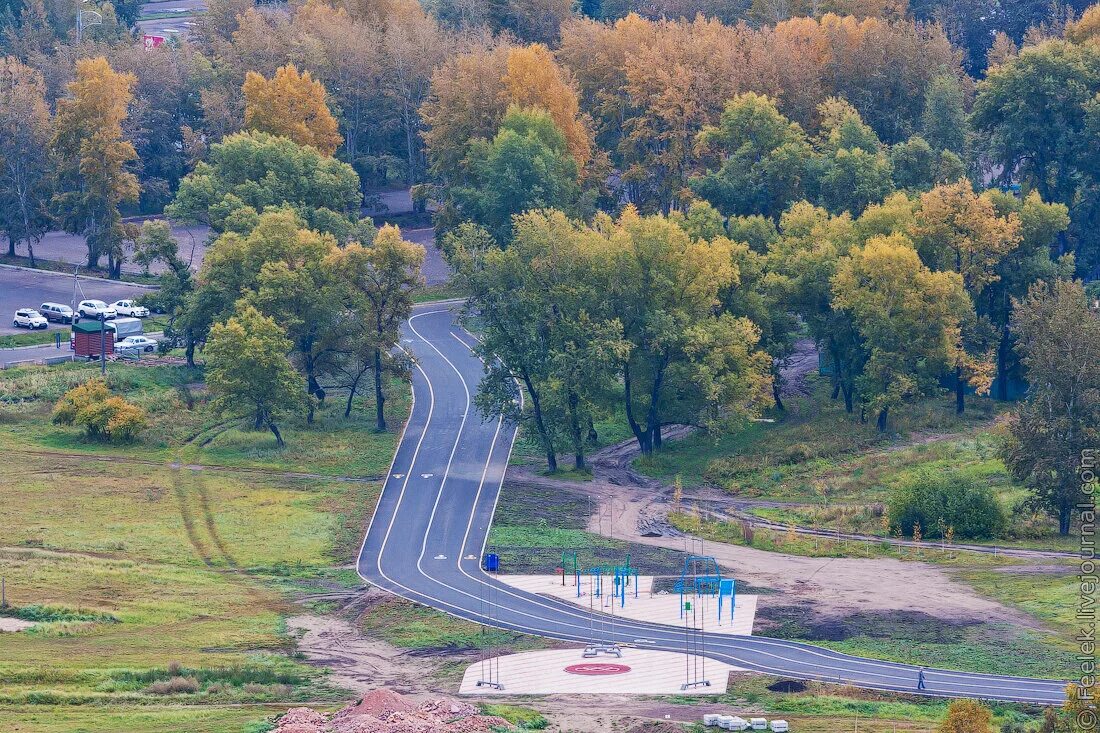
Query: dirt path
355, 661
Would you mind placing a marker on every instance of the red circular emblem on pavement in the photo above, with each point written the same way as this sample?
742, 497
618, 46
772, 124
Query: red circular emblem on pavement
597, 668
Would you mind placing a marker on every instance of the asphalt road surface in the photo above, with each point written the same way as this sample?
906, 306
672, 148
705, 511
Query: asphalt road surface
30, 289
429, 531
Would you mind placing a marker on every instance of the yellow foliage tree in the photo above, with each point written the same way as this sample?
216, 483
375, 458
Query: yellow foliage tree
966, 716
534, 79
291, 105
93, 179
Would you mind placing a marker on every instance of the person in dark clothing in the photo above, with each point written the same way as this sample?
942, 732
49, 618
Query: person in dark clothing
920, 679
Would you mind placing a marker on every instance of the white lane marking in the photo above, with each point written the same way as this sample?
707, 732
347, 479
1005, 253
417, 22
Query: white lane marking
463, 613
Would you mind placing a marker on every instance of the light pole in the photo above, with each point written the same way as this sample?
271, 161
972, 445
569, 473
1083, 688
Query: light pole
103, 344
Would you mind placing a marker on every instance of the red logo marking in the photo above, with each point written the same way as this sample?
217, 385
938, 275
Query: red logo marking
597, 668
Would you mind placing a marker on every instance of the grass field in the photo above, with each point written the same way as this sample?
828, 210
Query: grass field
160, 573
183, 428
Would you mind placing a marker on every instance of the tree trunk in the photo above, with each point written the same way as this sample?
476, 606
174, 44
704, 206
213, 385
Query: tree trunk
11, 247
259, 423
544, 434
1003, 349
643, 437
275, 431
882, 416
960, 391
777, 396
30, 252
379, 397
1065, 518
189, 351
848, 407
593, 436
836, 389
575, 431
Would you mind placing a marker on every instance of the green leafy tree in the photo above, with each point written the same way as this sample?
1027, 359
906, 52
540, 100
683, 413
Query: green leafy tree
250, 172
1040, 226
686, 362
543, 323
527, 165
760, 161
1058, 336
377, 283
919, 167
155, 244
25, 129
248, 372
944, 123
907, 316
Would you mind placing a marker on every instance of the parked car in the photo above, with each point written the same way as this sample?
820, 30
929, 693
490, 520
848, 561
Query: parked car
93, 308
57, 312
130, 308
29, 318
136, 343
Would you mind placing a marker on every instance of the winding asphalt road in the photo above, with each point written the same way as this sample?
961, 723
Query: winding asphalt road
429, 531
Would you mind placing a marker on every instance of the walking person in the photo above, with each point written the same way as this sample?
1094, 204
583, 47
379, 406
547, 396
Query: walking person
920, 679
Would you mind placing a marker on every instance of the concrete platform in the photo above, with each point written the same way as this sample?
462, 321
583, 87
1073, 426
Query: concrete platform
662, 608
638, 672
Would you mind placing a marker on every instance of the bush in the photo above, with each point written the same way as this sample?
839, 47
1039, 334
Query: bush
101, 414
937, 499
174, 686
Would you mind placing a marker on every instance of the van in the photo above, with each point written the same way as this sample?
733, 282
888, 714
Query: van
758, 723
779, 726
57, 312
123, 327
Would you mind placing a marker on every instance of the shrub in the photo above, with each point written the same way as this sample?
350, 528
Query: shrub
966, 716
102, 415
174, 686
937, 498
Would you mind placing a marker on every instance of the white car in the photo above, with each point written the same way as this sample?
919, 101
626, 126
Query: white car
130, 308
93, 308
29, 318
137, 343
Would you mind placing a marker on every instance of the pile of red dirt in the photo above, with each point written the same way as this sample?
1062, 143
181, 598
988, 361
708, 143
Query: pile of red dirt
384, 711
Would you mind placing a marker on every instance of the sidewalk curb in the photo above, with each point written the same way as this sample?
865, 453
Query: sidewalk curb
80, 277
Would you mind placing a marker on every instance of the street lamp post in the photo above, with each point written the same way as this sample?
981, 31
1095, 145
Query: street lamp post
84, 19
103, 344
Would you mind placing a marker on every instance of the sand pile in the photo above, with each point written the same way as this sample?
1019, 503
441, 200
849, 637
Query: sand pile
384, 711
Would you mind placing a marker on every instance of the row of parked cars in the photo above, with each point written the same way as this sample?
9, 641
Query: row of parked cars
40, 318
734, 722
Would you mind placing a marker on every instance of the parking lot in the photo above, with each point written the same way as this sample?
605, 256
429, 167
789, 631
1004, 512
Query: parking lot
26, 289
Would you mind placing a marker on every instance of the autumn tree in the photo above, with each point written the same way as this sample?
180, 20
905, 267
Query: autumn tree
248, 372
959, 231
1056, 427
966, 716
251, 171
92, 159
376, 283
907, 316
292, 105
25, 129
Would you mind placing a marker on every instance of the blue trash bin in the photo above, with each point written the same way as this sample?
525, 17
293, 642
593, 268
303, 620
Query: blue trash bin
491, 562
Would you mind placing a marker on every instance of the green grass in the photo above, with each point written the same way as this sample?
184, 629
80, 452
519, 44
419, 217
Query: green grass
132, 568
184, 429
518, 715
411, 626
146, 719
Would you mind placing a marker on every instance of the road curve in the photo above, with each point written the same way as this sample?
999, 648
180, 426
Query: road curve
431, 524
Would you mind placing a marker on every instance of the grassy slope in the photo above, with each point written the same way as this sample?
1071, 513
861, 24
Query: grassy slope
183, 566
